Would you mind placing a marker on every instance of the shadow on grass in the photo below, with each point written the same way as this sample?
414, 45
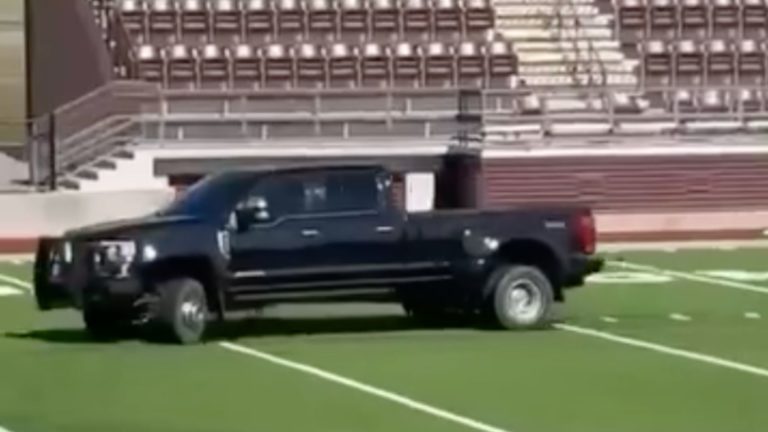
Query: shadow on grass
255, 328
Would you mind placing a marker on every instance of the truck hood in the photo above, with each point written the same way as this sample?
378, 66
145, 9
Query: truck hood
125, 227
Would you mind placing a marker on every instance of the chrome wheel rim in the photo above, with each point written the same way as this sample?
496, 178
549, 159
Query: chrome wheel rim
524, 301
192, 315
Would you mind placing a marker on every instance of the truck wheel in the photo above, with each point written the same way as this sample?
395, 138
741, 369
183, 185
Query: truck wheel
102, 325
520, 297
182, 310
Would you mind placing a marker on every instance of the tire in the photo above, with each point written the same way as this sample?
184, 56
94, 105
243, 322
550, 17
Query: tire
519, 298
182, 311
102, 325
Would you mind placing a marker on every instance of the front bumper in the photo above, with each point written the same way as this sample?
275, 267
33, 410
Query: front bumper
74, 285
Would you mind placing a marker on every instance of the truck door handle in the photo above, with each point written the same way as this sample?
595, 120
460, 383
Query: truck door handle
310, 233
384, 229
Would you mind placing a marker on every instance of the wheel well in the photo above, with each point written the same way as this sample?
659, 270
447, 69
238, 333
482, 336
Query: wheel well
198, 268
536, 254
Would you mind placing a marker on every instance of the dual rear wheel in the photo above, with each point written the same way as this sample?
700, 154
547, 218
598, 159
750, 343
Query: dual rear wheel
515, 297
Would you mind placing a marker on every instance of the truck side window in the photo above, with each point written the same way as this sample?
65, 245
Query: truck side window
349, 192
284, 196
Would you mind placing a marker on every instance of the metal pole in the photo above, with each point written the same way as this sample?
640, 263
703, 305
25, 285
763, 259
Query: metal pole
52, 152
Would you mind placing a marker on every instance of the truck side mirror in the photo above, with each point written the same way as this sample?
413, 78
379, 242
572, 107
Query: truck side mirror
255, 211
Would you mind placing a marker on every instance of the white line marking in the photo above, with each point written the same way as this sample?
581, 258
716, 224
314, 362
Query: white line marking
752, 315
690, 355
365, 388
609, 319
18, 282
2, 429
6, 291
679, 317
692, 277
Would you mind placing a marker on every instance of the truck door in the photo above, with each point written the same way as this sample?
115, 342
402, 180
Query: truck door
360, 237
274, 247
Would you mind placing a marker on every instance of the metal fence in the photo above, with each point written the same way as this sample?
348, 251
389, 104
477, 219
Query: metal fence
127, 111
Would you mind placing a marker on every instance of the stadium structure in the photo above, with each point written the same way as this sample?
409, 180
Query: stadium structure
624, 105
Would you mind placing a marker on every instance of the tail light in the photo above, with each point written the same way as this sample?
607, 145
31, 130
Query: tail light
585, 232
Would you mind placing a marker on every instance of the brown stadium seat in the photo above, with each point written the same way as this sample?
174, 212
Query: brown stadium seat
163, 18
694, 19
417, 18
470, 64
663, 17
683, 99
290, 19
657, 62
632, 19
354, 18
214, 66
754, 16
479, 16
439, 65
181, 64
501, 63
246, 67
259, 20
407, 65
385, 17
342, 65
689, 61
310, 66
712, 100
278, 65
322, 19
751, 62
133, 15
725, 19
374, 65
448, 17
720, 62
227, 18
149, 64
749, 100
195, 17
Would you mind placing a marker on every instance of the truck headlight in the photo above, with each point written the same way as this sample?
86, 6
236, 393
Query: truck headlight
113, 258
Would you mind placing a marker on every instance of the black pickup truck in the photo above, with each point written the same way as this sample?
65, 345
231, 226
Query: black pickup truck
241, 240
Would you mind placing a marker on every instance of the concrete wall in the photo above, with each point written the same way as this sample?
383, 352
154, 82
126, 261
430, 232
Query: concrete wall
25, 216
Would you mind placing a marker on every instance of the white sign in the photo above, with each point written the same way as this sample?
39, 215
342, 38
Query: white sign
419, 192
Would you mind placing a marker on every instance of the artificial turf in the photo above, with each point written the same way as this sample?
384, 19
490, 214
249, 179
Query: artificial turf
54, 379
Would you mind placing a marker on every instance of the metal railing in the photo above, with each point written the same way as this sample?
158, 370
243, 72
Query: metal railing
124, 112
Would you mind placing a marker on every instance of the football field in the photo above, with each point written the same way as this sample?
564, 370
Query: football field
660, 341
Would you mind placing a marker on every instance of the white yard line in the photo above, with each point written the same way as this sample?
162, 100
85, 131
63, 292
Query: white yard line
609, 319
365, 388
683, 245
690, 276
17, 259
17, 282
752, 315
679, 317
677, 352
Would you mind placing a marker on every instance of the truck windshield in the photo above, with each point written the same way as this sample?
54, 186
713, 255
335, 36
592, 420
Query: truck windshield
212, 197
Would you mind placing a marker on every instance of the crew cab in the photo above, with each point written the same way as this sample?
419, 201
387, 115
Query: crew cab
245, 239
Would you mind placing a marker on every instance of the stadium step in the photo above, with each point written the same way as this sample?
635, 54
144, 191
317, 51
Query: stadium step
105, 164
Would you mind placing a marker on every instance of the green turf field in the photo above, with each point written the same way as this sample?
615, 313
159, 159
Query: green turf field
702, 364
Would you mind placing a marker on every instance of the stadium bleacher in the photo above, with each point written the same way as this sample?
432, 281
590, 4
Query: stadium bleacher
255, 70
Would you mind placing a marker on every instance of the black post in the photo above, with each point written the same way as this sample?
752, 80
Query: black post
52, 183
